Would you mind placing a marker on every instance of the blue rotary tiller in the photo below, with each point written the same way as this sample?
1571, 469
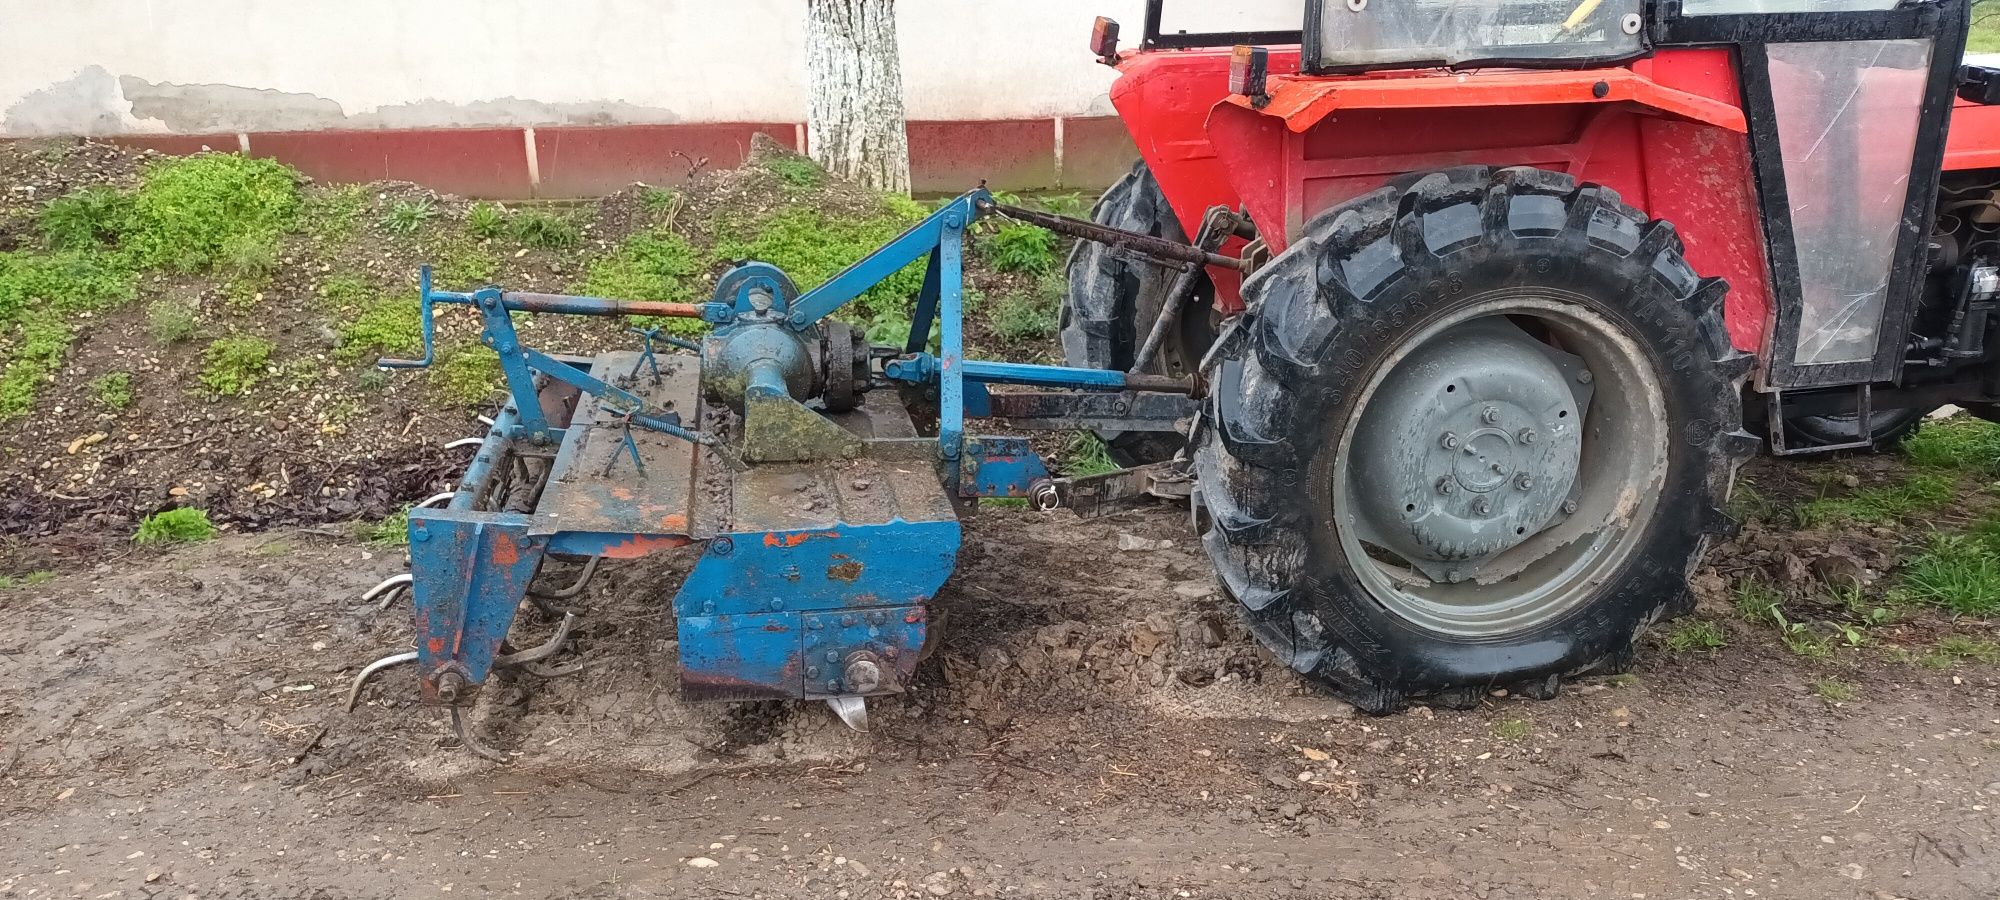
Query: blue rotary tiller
822, 477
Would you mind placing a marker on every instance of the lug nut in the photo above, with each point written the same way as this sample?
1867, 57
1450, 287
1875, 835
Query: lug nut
1449, 441
1524, 482
1569, 507
1527, 436
1583, 377
1490, 415
1444, 486
1482, 507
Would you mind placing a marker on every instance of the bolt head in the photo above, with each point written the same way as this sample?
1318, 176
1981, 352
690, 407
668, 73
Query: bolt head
1444, 486
1583, 377
1490, 415
1527, 436
1483, 508
1569, 507
1524, 481
812, 671
1448, 441
833, 656
863, 676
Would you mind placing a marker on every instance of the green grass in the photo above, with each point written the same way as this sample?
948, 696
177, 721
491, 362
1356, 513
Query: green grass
113, 390
658, 199
462, 263
371, 323
408, 217
545, 230
233, 365
30, 579
33, 358
68, 281
393, 531
1020, 247
332, 213
650, 265
811, 247
1029, 315
465, 375
795, 171
1876, 505
193, 212
1833, 690
183, 525
1958, 572
1511, 729
1696, 635
1984, 36
88, 219
171, 321
1085, 455
1756, 599
1960, 442
486, 221
1953, 649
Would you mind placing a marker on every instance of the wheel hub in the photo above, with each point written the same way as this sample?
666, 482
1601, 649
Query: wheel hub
1469, 447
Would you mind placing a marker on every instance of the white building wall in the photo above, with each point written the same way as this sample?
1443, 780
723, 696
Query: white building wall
216, 66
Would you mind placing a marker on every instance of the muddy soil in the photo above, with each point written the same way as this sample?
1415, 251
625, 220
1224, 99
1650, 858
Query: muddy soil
1095, 724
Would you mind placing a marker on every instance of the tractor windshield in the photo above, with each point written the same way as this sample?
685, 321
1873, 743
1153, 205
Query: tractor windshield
1354, 34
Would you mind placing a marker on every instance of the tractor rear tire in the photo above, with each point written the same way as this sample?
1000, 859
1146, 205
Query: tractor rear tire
1392, 549
1115, 295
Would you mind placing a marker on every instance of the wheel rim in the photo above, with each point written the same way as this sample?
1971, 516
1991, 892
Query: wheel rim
1500, 464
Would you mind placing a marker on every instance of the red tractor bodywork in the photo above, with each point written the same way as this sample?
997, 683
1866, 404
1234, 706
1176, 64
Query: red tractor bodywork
1668, 133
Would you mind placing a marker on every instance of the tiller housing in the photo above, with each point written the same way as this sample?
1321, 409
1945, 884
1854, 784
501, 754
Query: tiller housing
828, 519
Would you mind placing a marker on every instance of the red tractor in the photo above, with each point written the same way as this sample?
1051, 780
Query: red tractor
1512, 289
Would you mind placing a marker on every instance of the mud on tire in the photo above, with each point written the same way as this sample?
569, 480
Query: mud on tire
1328, 315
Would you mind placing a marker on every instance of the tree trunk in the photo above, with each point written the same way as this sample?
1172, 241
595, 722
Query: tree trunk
854, 108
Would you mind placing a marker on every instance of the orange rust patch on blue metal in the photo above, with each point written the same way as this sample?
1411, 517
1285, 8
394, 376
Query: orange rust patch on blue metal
641, 544
793, 539
505, 551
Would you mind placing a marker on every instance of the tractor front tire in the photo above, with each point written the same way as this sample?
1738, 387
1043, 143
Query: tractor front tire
1115, 295
1475, 432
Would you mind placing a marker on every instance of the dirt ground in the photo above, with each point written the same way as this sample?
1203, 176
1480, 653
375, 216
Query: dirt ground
170, 726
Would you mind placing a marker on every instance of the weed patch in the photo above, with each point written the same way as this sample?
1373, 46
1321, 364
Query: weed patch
465, 375
648, 266
1696, 635
1875, 505
1511, 729
486, 221
113, 390
86, 220
1958, 572
408, 217
1020, 247
175, 526
1833, 690
232, 365
393, 531
64, 282
1960, 442
1086, 454
1028, 315
39, 576
191, 211
811, 247
795, 170
171, 321
36, 355
545, 230
332, 213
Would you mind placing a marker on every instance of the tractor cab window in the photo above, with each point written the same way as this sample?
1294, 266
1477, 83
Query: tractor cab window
1355, 34
1847, 117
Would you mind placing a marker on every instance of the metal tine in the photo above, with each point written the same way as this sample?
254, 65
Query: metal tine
369, 671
